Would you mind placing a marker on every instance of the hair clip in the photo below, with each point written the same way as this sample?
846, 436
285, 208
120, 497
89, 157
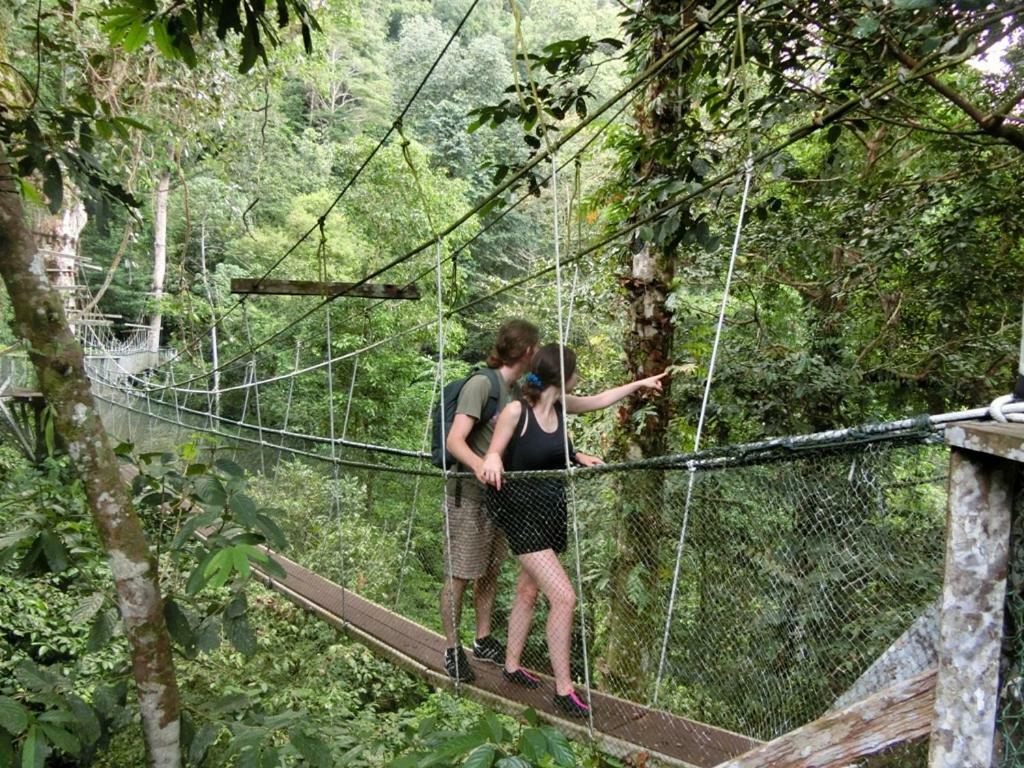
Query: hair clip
534, 379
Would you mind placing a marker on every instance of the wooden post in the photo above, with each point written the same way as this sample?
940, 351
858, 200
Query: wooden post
982, 468
268, 287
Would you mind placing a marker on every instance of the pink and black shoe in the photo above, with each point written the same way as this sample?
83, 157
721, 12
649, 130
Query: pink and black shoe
571, 705
521, 677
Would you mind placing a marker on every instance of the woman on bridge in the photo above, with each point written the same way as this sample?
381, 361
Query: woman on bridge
530, 435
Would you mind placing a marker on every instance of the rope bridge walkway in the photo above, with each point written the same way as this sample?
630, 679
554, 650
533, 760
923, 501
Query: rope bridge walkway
730, 595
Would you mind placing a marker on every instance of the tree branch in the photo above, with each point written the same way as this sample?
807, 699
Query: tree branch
991, 123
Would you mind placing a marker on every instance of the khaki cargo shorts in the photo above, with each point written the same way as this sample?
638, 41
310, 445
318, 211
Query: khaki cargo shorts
477, 542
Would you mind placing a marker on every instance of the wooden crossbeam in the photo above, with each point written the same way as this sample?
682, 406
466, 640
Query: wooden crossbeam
894, 716
250, 285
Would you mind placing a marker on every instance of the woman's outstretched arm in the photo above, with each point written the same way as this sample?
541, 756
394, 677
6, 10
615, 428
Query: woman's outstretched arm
577, 404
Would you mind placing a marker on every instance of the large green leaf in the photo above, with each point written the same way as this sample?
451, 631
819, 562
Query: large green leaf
13, 716
205, 738
559, 747
481, 757
313, 749
34, 749
63, 740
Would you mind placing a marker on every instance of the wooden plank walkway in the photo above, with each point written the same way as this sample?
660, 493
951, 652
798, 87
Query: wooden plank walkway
621, 727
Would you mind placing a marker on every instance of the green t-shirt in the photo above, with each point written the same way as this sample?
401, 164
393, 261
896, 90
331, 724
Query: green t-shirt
472, 401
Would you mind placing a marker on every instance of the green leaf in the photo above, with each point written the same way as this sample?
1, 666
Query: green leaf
63, 740
87, 724
270, 529
220, 568
274, 569
53, 188
135, 36
29, 192
163, 40
56, 554
88, 608
33, 749
230, 468
232, 702
193, 524
205, 738
208, 637
866, 26
244, 508
513, 761
197, 579
495, 728
240, 561
313, 749
240, 635
15, 537
531, 717
6, 749
912, 5
101, 630
481, 757
178, 626
559, 747
13, 716
533, 744
210, 490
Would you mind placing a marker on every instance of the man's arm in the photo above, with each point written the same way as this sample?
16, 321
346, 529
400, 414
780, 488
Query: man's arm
462, 425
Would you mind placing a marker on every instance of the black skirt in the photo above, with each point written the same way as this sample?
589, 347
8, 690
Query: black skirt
532, 512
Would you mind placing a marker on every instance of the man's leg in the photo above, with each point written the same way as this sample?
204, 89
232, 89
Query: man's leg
485, 590
451, 608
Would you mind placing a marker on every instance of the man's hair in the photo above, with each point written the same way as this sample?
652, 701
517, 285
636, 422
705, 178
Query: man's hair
515, 338
546, 366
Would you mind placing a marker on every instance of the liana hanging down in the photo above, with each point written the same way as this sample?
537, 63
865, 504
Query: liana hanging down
530, 435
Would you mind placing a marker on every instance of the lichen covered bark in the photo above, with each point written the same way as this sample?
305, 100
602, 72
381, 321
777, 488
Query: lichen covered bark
60, 366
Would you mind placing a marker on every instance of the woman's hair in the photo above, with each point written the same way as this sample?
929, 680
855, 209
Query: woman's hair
545, 368
515, 338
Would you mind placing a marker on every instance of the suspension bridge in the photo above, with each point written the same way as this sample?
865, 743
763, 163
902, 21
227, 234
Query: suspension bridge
808, 584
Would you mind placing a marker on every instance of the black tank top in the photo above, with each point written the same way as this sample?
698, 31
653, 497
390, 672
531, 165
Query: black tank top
535, 448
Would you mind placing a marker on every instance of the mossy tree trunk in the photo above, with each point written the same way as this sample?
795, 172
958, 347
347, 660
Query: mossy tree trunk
60, 366
648, 270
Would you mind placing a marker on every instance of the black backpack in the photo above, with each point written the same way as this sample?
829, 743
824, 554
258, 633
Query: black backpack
450, 398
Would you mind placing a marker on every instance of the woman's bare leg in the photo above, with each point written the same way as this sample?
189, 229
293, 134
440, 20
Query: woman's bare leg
546, 570
519, 619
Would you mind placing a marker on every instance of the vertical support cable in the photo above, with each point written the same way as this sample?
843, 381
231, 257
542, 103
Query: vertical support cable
444, 455
563, 332
424, 446
288, 401
255, 388
335, 501
749, 172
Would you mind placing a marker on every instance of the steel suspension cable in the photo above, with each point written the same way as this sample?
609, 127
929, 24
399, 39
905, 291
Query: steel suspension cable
700, 428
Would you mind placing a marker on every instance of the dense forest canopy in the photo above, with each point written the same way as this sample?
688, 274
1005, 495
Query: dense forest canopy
877, 273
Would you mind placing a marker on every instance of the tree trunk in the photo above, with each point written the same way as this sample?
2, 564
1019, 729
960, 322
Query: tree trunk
60, 366
159, 257
634, 635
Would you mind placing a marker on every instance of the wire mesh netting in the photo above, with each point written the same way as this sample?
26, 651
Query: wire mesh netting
798, 567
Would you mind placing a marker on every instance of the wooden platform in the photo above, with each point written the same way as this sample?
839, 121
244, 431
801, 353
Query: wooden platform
621, 727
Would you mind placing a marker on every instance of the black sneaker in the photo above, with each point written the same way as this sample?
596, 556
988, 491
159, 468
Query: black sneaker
571, 705
521, 677
489, 649
460, 672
